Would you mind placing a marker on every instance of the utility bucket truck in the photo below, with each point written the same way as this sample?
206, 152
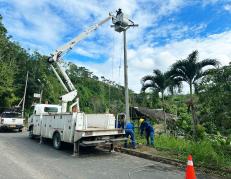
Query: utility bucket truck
76, 127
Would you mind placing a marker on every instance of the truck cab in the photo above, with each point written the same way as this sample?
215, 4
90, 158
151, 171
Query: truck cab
11, 120
39, 109
42, 109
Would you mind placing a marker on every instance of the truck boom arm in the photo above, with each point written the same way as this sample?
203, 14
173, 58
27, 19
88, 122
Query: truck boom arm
68, 46
56, 58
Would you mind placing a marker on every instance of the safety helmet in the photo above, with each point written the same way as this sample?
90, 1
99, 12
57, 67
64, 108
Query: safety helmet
141, 120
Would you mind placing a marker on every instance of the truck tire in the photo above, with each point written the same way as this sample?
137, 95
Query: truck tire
57, 141
31, 134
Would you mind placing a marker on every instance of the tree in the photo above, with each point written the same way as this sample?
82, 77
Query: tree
159, 82
214, 98
190, 70
7, 90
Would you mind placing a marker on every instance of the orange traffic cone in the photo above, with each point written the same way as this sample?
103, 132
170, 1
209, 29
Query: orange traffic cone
190, 172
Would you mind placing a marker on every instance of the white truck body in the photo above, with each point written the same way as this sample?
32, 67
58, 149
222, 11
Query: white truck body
86, 129
11, 120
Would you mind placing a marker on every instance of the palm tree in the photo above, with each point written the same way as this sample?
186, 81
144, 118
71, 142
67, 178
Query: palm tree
159, 82
190, 70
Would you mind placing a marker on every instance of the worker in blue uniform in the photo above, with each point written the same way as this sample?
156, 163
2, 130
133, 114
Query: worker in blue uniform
149, 131
129, 131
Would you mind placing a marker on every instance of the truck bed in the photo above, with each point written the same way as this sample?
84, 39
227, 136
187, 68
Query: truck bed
92, 129
98, 132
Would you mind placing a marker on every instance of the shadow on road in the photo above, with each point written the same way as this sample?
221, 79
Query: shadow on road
9, 131
67, 149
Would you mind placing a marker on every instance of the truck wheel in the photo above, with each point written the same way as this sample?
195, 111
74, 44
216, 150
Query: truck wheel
57, 141
31, 134
19, 130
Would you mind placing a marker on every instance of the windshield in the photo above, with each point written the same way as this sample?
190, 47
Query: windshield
11, 115
50, 109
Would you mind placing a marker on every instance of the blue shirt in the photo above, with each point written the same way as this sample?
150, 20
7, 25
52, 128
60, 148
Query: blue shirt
147, 126
129, 125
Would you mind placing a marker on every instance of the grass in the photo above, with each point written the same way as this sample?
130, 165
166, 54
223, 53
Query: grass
204, 152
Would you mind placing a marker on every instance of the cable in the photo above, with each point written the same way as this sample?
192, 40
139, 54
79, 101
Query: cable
112, 73
113, 56
121, 48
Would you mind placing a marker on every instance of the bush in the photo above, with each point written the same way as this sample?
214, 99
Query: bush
228, 141
204, 152
200, 131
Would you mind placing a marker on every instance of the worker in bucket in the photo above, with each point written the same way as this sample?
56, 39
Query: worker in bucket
149, 130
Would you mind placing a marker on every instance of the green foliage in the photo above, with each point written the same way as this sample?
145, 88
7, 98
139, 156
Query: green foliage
214, 100
204, 152
159, 82
228, 140
219, 140
7, 96
150, 100
177, 105
200, 131
190, 70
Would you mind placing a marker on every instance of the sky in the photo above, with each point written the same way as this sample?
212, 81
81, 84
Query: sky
168, 31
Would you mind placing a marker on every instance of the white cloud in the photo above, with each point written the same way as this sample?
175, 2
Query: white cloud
207, 2
143, 60
83, 52
51, 24
227, 7
33, 22
172, 31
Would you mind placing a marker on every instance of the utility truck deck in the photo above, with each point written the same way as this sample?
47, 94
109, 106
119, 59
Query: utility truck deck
47, 121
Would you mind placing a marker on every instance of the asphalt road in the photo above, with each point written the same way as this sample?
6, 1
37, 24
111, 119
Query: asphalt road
21, 157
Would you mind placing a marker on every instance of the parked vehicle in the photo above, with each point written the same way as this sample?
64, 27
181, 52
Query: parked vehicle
11, 120
47, 121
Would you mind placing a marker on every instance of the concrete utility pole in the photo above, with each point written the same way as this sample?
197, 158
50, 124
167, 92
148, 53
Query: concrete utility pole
41, 94
121, 24
126, 78
41, 90
24, 96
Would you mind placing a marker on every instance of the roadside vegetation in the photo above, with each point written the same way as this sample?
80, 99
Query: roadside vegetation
211, 153
203, 125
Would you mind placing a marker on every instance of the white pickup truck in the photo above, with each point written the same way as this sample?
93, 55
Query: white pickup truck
47, 121
11, 120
